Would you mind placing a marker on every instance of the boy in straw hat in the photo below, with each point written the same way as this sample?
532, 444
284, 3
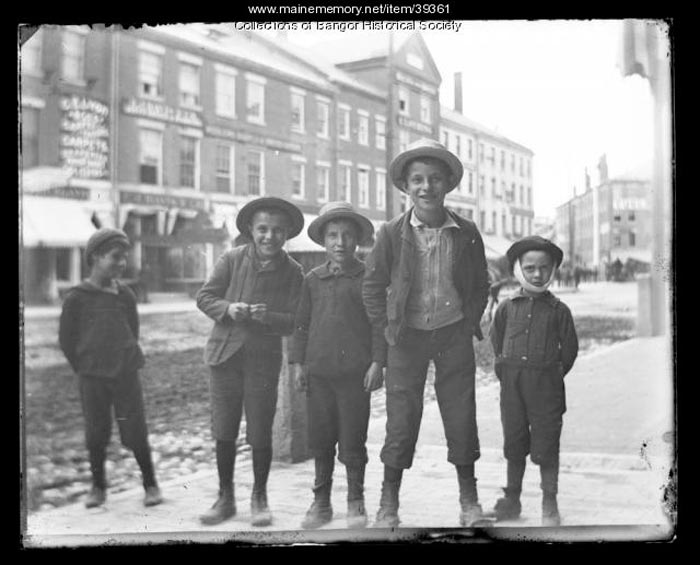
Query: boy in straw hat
252, 297
535, 344
426, 287
337, 360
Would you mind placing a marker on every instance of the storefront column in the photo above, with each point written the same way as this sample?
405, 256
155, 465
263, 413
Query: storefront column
136, 249
75, 274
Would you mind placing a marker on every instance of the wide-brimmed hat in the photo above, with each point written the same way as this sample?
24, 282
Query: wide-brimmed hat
340, 211
102, 237
245, 214
425, 147
534, 243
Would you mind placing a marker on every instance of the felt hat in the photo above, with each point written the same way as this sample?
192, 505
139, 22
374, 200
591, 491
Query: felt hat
425, 147
245, 214
534, 243
340, 211
102, 237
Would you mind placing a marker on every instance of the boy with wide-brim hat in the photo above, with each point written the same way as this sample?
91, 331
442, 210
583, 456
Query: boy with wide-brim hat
535, 345
337, 360
252, 296
425, 288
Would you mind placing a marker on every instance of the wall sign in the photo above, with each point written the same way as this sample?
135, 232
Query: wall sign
254, 139
419, 84
414, 125
165, 200
163, 112
84, 138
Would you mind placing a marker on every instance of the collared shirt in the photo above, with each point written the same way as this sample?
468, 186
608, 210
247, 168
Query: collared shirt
332, 334
534, 331
433, 301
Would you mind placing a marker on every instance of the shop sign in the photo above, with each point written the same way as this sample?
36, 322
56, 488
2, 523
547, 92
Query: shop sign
415, 125
419, 84
630, 204
164, 200
163, 112
72, 192
84, 137
254, 139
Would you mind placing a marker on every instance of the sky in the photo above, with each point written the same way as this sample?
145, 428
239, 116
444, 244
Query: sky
553, 86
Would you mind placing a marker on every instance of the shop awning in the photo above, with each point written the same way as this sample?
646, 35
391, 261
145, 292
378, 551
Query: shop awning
38, 179
641, 255
495, 246
55, 222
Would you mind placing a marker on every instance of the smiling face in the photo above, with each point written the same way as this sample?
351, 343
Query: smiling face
537, 267
427, 184
340, 237
269, 230
109, 264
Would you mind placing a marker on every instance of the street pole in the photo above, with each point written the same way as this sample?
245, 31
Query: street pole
390, 128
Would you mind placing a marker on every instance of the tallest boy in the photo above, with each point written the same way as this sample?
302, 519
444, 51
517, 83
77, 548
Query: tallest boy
425, 288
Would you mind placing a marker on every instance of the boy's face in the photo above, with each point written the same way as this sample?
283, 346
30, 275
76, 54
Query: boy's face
110, 264
340, 238
269, 230
426, 184
537, 267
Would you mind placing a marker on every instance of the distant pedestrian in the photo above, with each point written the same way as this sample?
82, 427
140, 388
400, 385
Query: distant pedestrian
535, 344
337, 360
98, 333
252, 297
426, 287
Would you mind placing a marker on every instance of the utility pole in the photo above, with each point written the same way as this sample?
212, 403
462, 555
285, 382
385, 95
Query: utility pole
390, 128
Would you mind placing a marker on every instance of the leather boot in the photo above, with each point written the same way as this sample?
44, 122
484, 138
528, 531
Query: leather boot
223, 509
470, 509
321, 511
388, 513
550, 511
259, 511
508, 507
357, 515
96, 497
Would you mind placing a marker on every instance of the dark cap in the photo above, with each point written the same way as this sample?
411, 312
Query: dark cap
103, 237
534, 243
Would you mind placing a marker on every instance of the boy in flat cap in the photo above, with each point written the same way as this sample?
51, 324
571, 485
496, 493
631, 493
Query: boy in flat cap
337, 360
252, 296
98, 333
425, 288
535, 344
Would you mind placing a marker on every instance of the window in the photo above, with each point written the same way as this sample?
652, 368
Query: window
446, 138
521, 167
188, 161
73, 62
481, 185
30, 137
298, 99
493, 187
363, 187
512, 163
529, 196
633, 239
255, 100
323, 181
425, 109
403, 101
380, 132
256, 172
381, 190
31, 53
226, 93
403, 140
186, 262
470, 148
631, 216
492, 158
529, 226
323, 114
617, 218
482, 220
298, 180
481, 152
471, 183
63, 262
617, 240
529, 169
512, 192
344, 122
151, 75
522, 195
151, 156
494, 219
458, 145
513, 224
189, 84
224, 168
503, 189
362, 129
503, 223
344, 182
503, 160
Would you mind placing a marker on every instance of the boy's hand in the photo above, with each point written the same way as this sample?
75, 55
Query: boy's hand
374, 377
300, 377
239, 311
258, 312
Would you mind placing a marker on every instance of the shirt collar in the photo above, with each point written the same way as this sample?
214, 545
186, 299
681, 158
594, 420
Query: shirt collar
324, 271
418, 223
273, 265
546, 296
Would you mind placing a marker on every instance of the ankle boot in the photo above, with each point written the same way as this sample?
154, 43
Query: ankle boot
357, 515
223, 509
550, 511
388, 513
260, 513
470, 509
96, 497
508, 507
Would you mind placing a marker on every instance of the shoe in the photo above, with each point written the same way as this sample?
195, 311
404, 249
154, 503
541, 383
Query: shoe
507, 507
153, 496
550, 512
357, 515
388, 513
320, 513
223, 509
96, 497
471, 515
260, 513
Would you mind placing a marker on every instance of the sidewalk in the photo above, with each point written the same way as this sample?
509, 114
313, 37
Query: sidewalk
603, 494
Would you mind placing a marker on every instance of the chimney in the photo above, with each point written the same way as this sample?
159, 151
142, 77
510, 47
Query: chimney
458, 92
603, 169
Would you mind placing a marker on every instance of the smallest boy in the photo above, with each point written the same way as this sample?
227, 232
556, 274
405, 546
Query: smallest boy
535, 344
98, 333
337, 360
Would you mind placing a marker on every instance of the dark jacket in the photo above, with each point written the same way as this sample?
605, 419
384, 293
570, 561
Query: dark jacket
390, 267
236, 278
534, 332
99, 331
332, 335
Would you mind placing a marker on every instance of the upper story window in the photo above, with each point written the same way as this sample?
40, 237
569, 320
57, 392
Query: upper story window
381, 189
189, 161
32, 52
150, 156
189, 84
298, 99
345, 182
323, 172
458, 145
380, 132
323, 109
73, 61
503, 160
224, 168
151, 74
425, 109
255, 99
344, 122
225, 91
255, 162
362, 128
299, 178
363, 187
30, 137
403, 101
404, 138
